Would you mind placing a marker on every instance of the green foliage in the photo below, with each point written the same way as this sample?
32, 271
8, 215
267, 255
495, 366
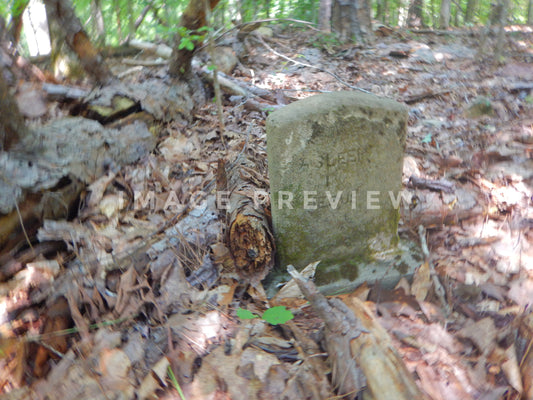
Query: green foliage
163, 16
175, 382
190, 38
427, 139
274, 316
306, 10
165, 32
18, 7
277, 315
245, 314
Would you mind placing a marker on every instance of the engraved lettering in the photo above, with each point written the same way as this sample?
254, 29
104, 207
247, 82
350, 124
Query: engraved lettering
334, 203
310, 203
282, 200
370, 200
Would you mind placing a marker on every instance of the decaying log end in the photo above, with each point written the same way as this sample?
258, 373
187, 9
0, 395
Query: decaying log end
250, 237
251, 244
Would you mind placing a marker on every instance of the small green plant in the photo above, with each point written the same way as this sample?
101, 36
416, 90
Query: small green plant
428, 138
175, 382
274, 316
190, 38
245, 314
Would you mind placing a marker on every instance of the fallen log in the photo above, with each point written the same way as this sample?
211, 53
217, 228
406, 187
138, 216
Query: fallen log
359, 348
249, 234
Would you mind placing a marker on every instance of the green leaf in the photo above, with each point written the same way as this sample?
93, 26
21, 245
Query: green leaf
245, 314
427, 138
277, 315
185, 43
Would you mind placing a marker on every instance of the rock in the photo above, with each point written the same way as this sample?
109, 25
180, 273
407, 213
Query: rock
226, 59
335, 161
425, 55
31, 102
264, 31
396, 48
454, 52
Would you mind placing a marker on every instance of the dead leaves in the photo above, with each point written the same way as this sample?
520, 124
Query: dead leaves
134, 292
153, 259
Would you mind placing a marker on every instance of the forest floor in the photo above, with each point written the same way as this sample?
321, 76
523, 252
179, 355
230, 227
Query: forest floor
463, 326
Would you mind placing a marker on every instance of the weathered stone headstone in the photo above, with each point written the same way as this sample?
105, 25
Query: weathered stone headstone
335, 166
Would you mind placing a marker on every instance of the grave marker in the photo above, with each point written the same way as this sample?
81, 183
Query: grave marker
335, 167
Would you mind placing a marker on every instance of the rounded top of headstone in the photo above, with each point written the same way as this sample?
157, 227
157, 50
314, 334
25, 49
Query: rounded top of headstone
335, 101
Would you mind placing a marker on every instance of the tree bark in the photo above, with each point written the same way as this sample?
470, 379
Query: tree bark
140, 19
98, 22
530, 12
415, 14
403, 9
249, 234
62, 13
471, 6
116, 5
131, 19
360, 350
351, 20
193, 18
324, 16
382, 11
12, 126
502, 21
444, 18
16, 21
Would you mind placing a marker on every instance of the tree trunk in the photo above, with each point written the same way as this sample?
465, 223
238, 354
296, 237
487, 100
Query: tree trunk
530, 12
97, 18
471, 6
402, 13
350, 19
502, 21
223, 10
415, 14
116, 4
444, 18
12, 126
267, 8
496, 12
324, 16
140, 18
15, 26
382, 11
62, 13
193, 18
241, 11
131, 19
